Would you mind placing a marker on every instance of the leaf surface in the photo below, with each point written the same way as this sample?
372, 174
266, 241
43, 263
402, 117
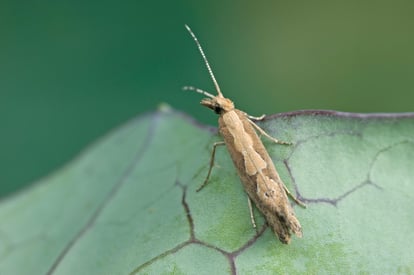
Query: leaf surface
128, 204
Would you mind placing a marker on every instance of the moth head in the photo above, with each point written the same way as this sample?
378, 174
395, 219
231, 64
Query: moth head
218, 104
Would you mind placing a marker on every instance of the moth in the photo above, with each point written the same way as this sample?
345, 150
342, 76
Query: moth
254, 166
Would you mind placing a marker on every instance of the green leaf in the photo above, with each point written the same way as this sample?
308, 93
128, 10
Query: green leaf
128, 204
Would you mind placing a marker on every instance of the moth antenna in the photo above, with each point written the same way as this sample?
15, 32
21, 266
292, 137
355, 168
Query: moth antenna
210, 71
191, 88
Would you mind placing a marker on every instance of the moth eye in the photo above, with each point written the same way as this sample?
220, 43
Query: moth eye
218, 109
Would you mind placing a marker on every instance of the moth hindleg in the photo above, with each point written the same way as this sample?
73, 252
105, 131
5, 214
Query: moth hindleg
249, 202
296, 200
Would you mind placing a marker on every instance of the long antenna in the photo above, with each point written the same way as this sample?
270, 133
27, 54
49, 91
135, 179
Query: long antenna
205, 61
191, 88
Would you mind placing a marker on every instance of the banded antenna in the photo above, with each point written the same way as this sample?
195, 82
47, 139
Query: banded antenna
210, 71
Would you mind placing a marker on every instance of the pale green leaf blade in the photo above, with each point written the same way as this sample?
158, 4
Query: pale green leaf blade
128, 203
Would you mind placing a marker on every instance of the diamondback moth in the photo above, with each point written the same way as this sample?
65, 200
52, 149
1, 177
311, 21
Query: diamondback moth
254, 166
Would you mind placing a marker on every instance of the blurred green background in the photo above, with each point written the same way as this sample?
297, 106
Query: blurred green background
72, 70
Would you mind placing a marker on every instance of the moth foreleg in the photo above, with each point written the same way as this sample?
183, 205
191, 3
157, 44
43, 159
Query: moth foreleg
255, 117
213, 153
249, 203
261, 131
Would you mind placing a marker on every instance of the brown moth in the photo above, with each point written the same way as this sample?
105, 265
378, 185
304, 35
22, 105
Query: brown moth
254, 165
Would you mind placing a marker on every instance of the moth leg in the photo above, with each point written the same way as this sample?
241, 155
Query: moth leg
261, 131
296, 200
255, 117
213, 153
249, 202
